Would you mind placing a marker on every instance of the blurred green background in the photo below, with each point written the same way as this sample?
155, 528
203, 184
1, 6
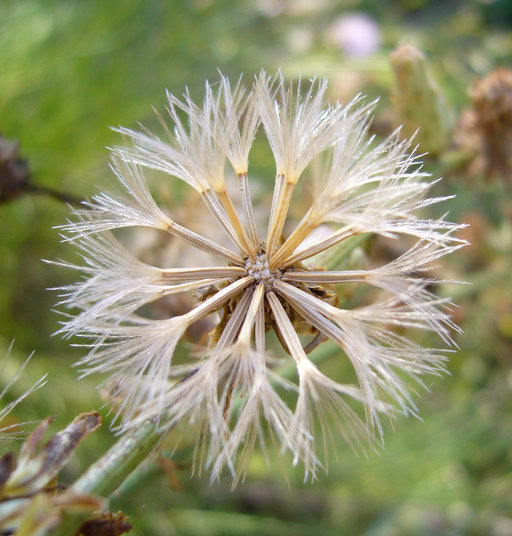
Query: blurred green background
70, 69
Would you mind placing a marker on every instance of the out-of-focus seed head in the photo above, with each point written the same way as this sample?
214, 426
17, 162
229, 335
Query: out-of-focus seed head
485, 129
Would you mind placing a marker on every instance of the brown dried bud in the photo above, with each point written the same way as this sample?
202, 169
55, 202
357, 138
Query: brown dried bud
109, 524
486, 128
14, 171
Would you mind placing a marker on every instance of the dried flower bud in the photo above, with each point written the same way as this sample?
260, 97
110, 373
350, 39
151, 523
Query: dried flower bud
485, 130
14, 171
109, 524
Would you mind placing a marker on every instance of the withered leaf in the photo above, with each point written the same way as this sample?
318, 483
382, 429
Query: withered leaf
60, 447
6, 468
35, 469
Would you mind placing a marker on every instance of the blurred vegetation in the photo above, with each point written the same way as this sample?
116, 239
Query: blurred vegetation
70, 69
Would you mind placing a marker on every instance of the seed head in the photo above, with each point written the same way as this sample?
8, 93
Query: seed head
266, 276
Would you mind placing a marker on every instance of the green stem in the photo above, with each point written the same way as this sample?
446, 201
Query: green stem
110, 471
106, 475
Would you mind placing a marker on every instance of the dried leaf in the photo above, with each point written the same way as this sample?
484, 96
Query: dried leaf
6, 468
60, 447
35, 470
29, 448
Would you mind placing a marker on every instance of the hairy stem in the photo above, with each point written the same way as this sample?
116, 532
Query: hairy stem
110, 471
107, 474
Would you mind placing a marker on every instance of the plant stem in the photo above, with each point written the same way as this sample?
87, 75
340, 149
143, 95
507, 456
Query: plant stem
110, 471
106, 475
55, 194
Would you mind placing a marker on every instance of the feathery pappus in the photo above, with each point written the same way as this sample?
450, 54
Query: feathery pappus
267, 277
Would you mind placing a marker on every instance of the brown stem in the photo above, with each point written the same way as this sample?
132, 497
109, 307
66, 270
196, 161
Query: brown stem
55, 194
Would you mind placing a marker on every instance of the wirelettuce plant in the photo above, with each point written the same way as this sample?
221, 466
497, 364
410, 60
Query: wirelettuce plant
263, 275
